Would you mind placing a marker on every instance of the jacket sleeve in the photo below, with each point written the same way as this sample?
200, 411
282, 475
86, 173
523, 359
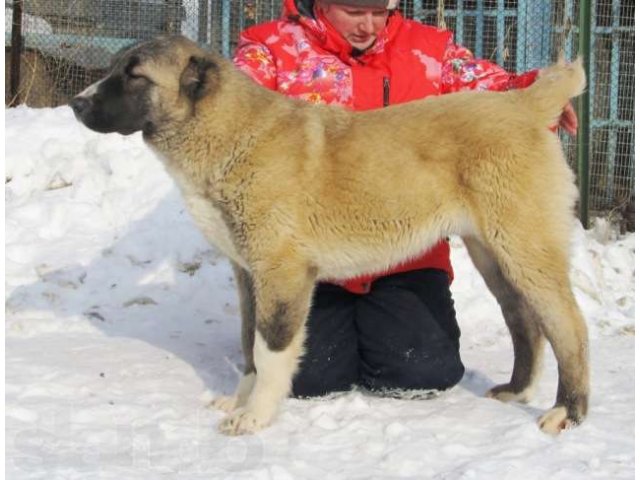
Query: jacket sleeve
255, 59
461, 71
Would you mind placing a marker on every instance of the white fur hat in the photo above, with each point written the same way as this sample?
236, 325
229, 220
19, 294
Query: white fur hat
388, 4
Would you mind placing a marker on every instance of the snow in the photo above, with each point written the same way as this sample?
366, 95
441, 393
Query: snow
122, 324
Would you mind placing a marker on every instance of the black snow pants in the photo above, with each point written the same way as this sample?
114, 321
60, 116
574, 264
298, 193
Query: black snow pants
402, 335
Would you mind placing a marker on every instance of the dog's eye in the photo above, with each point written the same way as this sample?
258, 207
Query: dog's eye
131, 73
136, 80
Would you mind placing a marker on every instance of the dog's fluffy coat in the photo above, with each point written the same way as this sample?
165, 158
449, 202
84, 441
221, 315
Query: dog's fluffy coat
295, 193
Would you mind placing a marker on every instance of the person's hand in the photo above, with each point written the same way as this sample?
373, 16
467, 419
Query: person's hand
569, 120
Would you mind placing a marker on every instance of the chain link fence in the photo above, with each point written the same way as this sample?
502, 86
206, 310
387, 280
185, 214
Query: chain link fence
65, 45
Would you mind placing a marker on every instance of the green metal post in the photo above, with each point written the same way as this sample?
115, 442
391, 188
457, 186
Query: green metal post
584, 136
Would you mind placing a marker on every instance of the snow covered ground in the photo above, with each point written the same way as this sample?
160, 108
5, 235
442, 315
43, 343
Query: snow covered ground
122, 323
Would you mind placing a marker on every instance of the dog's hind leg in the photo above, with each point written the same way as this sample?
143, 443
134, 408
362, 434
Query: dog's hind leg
566, 330
536, 262
523, 324
246, 295
283, 291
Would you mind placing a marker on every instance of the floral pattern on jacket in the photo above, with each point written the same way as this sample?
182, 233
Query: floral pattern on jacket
304, 58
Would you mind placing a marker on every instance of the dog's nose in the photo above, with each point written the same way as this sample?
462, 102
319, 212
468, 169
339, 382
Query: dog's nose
79, 105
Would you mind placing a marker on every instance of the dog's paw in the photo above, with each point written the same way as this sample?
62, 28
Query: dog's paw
226, 403
556, 420
242, 422
506, 393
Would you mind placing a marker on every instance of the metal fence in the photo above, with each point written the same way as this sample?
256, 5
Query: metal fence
64, 45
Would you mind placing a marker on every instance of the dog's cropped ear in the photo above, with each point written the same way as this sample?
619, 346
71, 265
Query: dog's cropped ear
198, 78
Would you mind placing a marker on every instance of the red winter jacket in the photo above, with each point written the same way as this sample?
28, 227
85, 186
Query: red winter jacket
305, 57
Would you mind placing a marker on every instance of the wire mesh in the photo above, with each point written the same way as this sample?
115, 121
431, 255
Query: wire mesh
67, 44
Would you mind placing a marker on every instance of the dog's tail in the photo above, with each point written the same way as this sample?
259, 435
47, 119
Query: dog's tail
553, 89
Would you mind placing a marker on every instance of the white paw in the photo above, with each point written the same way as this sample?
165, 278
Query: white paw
243, 421
226, 403
554, 421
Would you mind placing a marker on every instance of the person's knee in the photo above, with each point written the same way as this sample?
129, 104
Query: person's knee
330, 362
326, 368
308, 384
439, 373
409, 336
333, 368
415, 371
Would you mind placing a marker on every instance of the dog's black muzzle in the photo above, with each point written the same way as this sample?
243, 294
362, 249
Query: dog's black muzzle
106, 117
80, 106
84, 111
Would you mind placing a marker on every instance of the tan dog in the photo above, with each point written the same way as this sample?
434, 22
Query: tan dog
295, 193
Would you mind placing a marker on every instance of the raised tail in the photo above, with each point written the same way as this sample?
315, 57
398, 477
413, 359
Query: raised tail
553, 89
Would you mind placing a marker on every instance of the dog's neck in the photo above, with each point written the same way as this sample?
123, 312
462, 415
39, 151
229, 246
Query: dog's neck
231, 123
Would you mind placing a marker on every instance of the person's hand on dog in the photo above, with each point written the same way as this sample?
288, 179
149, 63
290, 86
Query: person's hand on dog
569, 120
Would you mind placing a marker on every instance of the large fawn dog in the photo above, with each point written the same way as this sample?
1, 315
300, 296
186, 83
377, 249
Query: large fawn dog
294, 193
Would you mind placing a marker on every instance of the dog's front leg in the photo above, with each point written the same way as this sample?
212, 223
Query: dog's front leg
283, 291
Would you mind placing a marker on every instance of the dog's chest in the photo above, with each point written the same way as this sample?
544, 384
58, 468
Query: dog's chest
210, 219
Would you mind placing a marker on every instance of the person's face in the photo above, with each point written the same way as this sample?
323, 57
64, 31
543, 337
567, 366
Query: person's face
360, 26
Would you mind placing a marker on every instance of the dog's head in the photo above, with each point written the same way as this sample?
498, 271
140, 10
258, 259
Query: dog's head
149, 86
